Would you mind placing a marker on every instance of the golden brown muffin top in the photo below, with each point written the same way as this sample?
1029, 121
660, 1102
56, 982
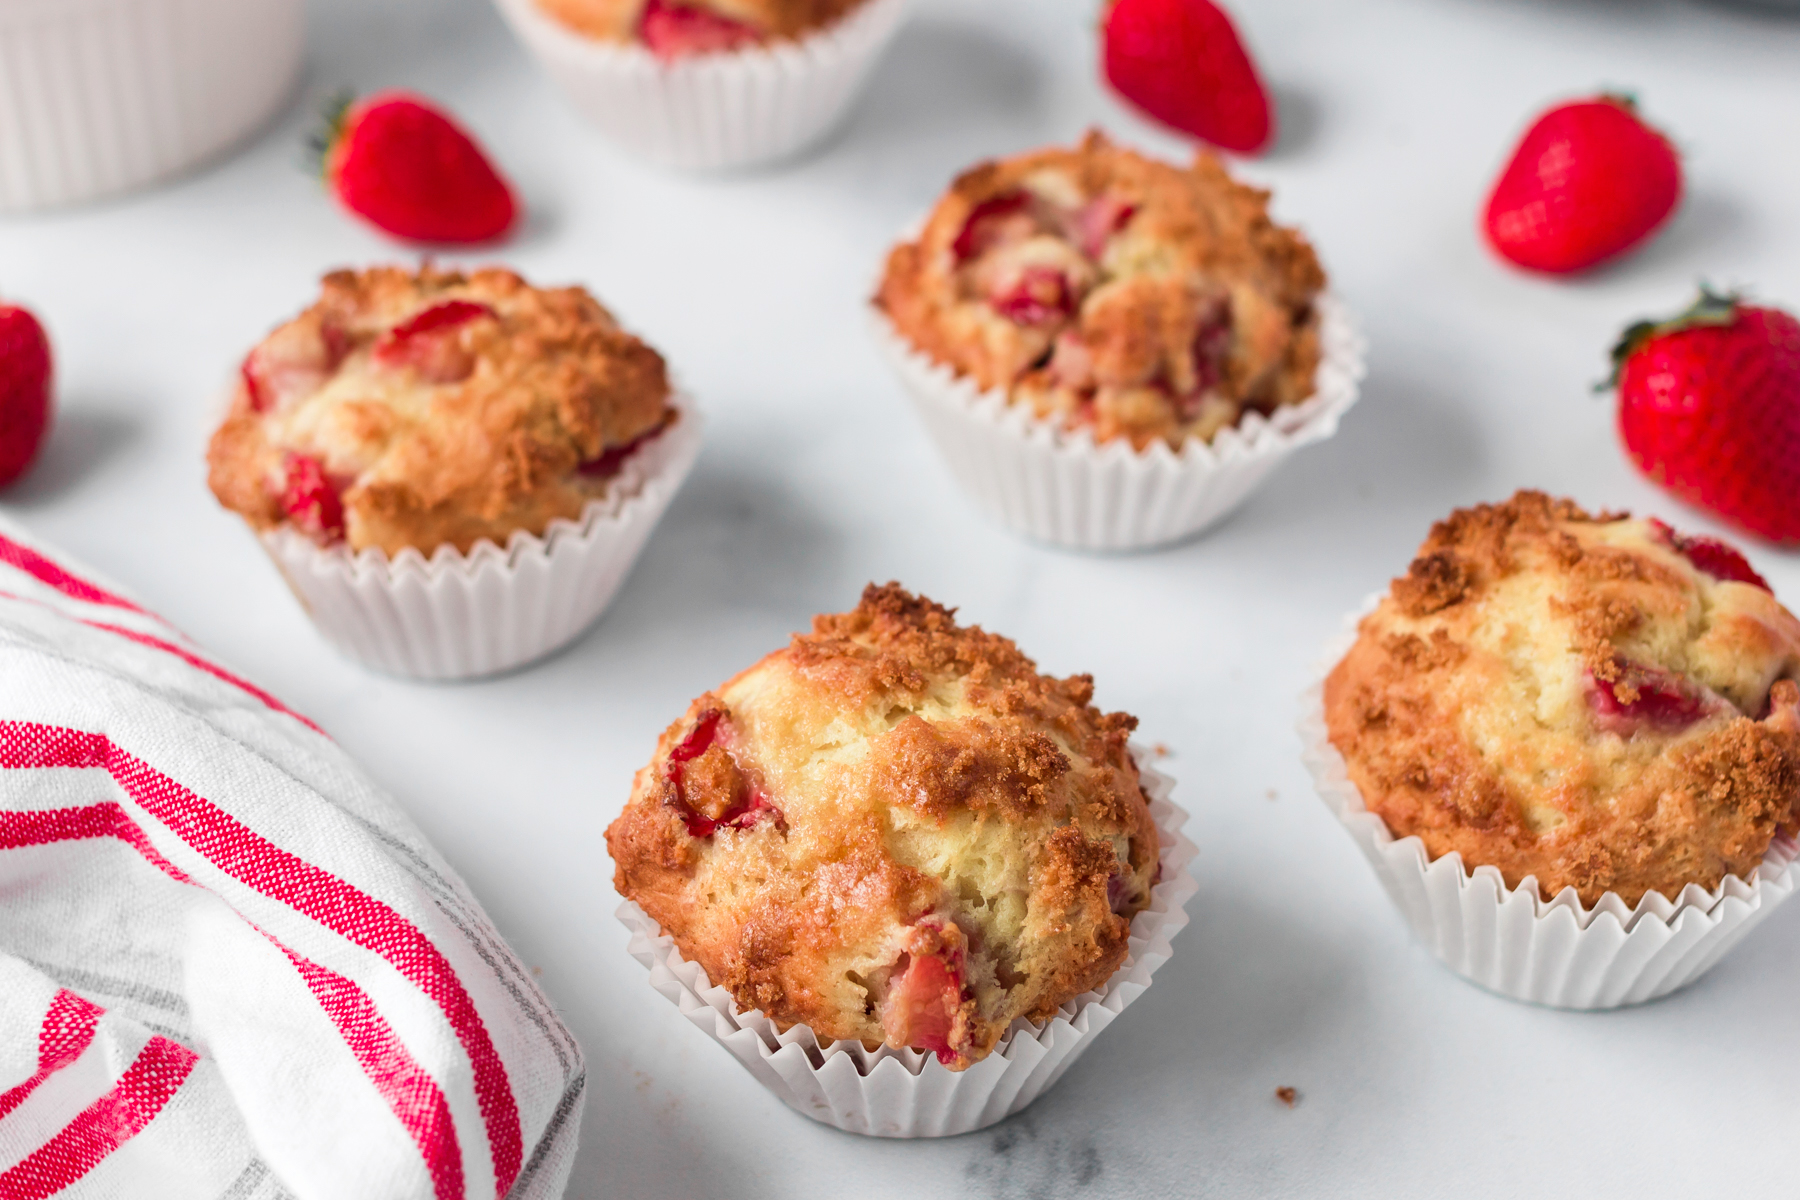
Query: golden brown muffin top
431, 407
1112, 292
894, 830
760, 20
1590, 699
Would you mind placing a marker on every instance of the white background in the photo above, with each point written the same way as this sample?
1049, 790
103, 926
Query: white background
816, 480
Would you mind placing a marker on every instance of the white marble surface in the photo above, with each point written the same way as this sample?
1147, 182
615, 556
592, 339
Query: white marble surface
816, 479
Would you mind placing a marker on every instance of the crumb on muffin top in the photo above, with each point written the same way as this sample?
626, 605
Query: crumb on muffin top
894, 830
1112, 292
433, 407
680, 28
1590, 699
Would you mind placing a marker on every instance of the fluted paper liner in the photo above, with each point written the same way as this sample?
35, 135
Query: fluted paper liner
99, 97
456, 615
1558, 952
908, 1093
734, 108
1061, 486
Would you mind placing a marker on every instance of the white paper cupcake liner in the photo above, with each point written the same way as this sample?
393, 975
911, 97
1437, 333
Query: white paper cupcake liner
1511, 941
456, 616
711, 111
99, 97
1058, 486
907, 1093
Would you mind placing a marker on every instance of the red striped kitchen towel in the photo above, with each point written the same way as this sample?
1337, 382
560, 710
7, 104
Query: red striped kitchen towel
230, 967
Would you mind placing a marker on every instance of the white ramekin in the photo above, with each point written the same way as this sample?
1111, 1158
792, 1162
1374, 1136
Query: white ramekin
907, 1093
711, 111
98, 97
1555, 952
1062, 487
457, 616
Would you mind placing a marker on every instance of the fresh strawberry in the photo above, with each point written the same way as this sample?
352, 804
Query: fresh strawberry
673, 31
1182, 63
1588, 182
1709, 407
24, 390
406, 167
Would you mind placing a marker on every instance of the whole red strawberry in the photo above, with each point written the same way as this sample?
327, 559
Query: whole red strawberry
405, 166
1181, 62
24, 390
1709, 407
1588, 182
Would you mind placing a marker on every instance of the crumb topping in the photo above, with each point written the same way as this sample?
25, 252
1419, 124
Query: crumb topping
1113, 292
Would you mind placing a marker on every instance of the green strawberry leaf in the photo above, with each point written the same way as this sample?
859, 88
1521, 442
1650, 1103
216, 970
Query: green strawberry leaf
1709, 308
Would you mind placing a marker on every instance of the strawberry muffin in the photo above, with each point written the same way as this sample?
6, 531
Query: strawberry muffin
1592, 700
433, 408
896, 831
1110, 292
673, 29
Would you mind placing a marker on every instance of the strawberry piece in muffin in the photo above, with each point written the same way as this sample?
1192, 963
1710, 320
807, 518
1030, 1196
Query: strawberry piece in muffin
1110, 292
1596, 701
312, 502
672, 31
679, 29
295, 360
432, 408
894, 830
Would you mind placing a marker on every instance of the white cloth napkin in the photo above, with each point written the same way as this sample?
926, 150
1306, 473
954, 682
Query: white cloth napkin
230, 967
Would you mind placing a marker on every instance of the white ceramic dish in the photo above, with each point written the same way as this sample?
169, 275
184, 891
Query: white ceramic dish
100, 97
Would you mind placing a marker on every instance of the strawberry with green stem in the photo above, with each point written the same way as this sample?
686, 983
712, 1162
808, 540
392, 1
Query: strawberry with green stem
1709, 408
406, 167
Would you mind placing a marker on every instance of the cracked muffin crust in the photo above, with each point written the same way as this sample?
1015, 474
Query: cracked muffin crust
1590, 699
894, 830
432, 407
674, 29
1112, 292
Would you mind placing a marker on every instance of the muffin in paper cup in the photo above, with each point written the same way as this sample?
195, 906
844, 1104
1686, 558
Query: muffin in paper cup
1111, 351
711, 111
907, 1093
1558, 952
100, 97
453, 470
458, 616
1062, 487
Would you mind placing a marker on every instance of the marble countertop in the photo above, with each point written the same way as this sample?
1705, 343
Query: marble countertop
816, 479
